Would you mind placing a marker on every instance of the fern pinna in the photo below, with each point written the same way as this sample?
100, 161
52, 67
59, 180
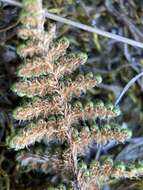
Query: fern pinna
55, 111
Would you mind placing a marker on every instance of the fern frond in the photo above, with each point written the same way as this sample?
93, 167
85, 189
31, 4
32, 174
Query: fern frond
127, 171
28, 136
35, 87
81, 84
69, 63
45, 79
44, 65
40, 87
100, 134
35, 132
37, 107
35, 67
92, 110
99, 173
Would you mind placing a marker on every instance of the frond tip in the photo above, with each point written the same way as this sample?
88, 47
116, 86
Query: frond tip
32, 14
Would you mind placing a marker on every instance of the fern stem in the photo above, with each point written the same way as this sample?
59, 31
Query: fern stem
73, 160
74, 165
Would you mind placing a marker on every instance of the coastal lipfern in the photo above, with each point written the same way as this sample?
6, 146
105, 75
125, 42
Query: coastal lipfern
53, 108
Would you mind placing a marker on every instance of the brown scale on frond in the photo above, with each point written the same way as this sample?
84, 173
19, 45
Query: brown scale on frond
101, 112
36, 67
31, 22
103, 136
41, 87
119, 173
88, 182
105, 171
98, 175
107, 135
45, 64
81, 143
36, 108
36, 132
30, 49
78, 86
38, 36
67, 64
58, 49
91, 113
29, 136
35, 87
39, 41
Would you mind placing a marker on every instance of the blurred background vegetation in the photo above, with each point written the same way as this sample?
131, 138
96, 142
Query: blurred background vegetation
116, 62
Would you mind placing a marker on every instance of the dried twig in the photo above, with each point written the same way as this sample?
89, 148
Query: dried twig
129, 84
15, 3
94, 30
